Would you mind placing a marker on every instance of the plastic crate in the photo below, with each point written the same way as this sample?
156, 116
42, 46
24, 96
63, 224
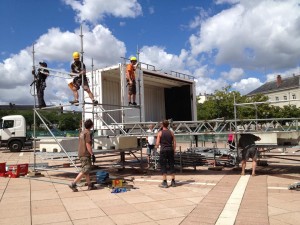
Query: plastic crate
15, 171
3, 170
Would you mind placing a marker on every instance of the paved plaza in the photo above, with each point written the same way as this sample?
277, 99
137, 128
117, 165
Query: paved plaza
201, 197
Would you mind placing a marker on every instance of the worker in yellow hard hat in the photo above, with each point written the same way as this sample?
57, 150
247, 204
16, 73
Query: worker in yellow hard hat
131, 83
78, 67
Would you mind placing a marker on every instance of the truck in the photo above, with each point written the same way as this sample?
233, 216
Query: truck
160, 95
13, 133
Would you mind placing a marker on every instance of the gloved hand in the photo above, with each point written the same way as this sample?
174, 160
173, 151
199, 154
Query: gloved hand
93, 158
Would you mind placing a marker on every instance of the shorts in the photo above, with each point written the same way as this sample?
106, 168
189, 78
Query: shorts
132, 88
166, 158
86, 164
77, 81
249, 153
150, 148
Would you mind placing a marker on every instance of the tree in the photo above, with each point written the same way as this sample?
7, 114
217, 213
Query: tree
221, 105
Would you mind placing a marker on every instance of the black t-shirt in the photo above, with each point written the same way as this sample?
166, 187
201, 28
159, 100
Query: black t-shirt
42, 74
247, 140
166, 140
76, 67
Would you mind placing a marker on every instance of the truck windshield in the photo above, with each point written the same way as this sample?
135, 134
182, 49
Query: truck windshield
1, 121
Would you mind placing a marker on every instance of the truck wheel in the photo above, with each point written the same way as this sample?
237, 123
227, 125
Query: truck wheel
15, 146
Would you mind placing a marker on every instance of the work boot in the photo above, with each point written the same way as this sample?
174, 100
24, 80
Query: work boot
73, 186
164, 184
173, 184
134, 103
95, 102
75, 102
129, 103
91, 187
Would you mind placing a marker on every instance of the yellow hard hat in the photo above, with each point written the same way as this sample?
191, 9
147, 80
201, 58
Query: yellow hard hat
76, 55
133, 58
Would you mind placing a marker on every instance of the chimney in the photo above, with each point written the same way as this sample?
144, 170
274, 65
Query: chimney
279, 80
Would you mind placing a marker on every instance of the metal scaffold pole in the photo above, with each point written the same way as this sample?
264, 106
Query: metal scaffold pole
82, 77
139, 82
93, 107
236, 130
34, 116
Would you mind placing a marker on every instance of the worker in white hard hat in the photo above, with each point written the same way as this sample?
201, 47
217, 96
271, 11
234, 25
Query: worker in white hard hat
78, 67
131, 83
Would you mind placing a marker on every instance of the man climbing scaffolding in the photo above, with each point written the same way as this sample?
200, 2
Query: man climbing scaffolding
78, 67
130, 78
40, 83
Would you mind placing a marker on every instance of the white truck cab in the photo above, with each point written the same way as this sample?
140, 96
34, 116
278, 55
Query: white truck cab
13, 133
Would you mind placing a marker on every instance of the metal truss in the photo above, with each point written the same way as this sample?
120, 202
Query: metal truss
217, 126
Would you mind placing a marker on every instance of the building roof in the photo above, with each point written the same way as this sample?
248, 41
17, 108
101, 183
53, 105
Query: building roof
275, 86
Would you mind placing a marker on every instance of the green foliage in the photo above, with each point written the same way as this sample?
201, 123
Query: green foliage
221, 105
64, 121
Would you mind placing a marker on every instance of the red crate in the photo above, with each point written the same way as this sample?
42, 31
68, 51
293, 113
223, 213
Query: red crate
15, 171
2, 169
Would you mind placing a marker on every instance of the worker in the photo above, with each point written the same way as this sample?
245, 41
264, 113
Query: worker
130, 78
249, 150
78, 67
40, 83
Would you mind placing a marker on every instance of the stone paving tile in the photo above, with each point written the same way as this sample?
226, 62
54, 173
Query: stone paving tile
93, 221
199, 199
166, 213
277, 222
146, 206
173, 221
14, 210
121, 209
50, 218
24, 220
78, 203
173, 203
86, 213
198, 214
290, 218
254, 203
130, 218
136, 199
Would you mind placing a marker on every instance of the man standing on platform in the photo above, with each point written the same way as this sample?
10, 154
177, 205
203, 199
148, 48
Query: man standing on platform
40, 83
78, 67
130, 78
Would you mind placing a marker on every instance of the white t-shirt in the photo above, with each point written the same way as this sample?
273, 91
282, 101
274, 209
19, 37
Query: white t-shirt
151, 137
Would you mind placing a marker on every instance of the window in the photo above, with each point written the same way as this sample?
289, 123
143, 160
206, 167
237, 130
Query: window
8, 124
277, 98
285, 97
294, 96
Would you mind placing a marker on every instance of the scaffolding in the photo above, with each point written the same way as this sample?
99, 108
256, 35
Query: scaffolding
72, 156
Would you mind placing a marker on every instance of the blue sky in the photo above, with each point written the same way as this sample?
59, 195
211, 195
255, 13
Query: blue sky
240, 43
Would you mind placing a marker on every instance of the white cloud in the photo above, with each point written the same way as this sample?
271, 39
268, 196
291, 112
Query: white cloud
209, 86
56, 47
252, 34
94, 10
287, 73
234, 74
245, 86
227, 1
157, 56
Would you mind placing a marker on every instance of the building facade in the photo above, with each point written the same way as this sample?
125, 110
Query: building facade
282, 91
